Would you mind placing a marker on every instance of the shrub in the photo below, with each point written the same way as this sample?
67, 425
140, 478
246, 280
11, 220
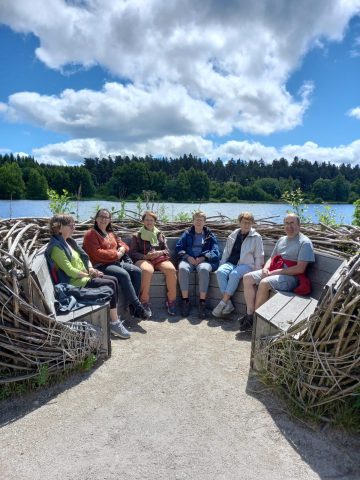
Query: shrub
356, 216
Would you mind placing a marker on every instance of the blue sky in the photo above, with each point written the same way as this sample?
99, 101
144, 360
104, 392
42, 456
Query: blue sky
216, 79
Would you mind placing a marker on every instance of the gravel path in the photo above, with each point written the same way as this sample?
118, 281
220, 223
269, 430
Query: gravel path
177, 401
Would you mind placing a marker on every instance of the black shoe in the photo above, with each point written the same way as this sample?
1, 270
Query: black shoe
185, 308
246, 322
147, 307
202, 310
140, 312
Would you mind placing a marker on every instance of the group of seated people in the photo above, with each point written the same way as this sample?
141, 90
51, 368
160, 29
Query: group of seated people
105, 259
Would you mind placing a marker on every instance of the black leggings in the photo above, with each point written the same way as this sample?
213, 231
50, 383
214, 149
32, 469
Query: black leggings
110, 282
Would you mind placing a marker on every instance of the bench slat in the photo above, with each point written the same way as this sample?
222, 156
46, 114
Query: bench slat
292, 312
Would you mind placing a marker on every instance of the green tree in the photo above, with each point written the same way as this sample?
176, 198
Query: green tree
341, 188
182, 186
80, 177
170, 188
11, 181
36, 188
199, 184
356, 216
58, 178
229, 191
270, 186
254, 193
355, 187
129, 179
158, 182
324, 189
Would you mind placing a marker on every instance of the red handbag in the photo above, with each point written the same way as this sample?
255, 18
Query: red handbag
159, 259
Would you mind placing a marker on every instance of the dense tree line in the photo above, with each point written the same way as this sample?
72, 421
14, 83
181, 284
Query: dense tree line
187, 178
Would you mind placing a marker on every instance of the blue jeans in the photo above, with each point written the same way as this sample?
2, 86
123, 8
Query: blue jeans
229, 275
129, 279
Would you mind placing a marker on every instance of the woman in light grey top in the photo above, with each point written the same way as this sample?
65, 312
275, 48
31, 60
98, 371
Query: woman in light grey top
243, 253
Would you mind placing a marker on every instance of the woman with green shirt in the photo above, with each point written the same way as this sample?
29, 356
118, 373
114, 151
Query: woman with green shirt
70, 264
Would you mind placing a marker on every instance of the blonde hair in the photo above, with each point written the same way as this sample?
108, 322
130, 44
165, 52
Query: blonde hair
199, 213
61, 219
247, 216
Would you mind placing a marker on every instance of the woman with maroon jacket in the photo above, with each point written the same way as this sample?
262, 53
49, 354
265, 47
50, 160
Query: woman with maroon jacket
110, 255
149, 251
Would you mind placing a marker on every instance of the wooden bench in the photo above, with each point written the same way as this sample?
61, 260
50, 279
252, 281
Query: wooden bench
97, 315
285, 309
320, 272
158, 292
158, 286
277, 314
282, 310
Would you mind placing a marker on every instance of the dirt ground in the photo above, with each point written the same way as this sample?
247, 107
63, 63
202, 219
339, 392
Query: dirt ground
176, 401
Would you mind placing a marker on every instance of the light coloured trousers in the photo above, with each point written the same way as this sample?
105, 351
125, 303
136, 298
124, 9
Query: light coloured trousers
147, 270
203, 270
229, 275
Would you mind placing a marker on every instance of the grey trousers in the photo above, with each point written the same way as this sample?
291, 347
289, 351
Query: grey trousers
203, 270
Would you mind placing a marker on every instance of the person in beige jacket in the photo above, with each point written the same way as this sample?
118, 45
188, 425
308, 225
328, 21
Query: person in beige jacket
243, 253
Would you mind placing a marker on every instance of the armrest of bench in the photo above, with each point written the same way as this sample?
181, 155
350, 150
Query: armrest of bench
278, 314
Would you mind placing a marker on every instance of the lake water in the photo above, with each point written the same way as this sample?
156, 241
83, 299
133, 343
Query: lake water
86, 209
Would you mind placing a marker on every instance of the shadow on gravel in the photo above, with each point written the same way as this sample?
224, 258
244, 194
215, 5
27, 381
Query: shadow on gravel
243, 336
13, 409
135, 325
230, 324
331, 453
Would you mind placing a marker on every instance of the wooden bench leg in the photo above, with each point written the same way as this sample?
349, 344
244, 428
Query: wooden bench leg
101, 318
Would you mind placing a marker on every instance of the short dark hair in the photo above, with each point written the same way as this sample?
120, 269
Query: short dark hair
294, 215
150, 213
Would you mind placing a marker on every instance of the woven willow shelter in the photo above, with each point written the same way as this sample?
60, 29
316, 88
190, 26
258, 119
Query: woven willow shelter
316, 363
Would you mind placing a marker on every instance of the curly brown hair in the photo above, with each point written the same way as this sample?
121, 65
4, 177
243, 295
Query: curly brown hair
58, 220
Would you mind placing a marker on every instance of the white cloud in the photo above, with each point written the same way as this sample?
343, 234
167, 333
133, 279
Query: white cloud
354, 112
245, 151
118, 112
355, 51
74, 151
311, 151
237, 57
194, 68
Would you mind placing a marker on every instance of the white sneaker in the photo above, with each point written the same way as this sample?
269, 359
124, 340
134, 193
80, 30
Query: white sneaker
228, 308
119, 330
218, 310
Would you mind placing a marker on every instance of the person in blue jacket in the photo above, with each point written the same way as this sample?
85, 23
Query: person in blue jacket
197, 250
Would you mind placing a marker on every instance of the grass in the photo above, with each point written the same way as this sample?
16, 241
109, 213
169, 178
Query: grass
43, 379
343, 414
